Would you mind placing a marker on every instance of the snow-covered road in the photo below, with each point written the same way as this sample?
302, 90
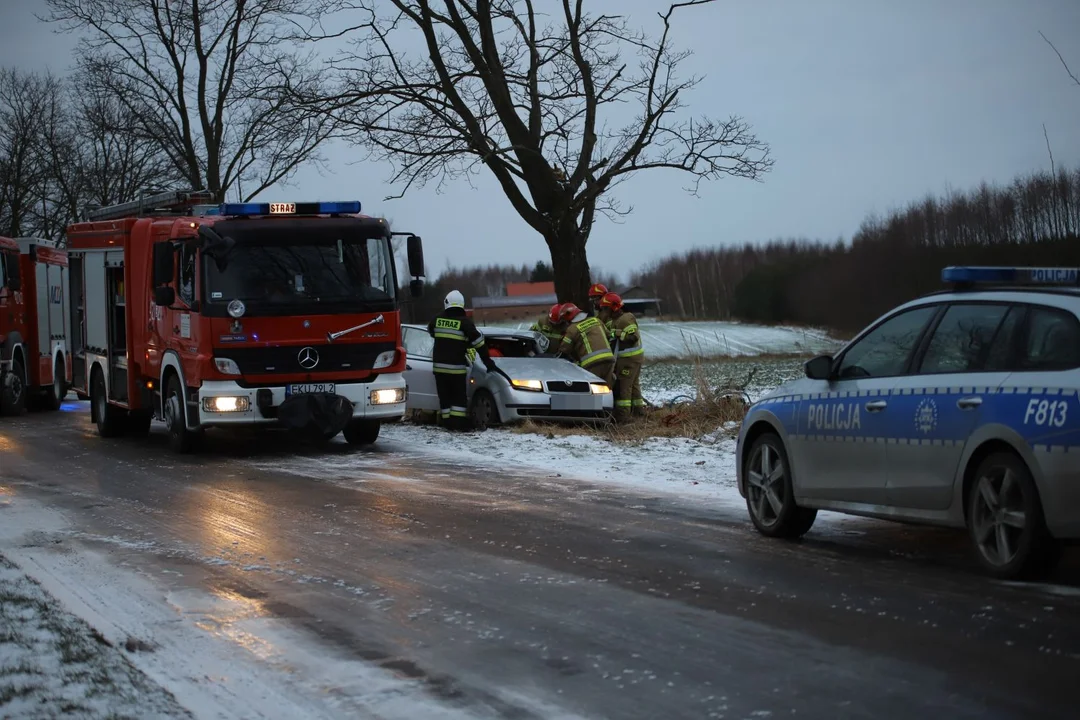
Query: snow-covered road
508, 576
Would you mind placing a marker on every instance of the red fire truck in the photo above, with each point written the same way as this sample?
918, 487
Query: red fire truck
34, 360
201, 315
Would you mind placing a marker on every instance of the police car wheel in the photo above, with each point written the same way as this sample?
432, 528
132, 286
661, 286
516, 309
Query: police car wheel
770, 498
1005, 519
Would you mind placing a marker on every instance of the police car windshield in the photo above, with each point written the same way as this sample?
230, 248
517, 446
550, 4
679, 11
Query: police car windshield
313, 268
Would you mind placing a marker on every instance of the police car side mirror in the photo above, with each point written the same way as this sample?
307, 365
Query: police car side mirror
820, 368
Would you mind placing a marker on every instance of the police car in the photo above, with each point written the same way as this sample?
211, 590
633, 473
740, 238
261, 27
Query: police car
959, 409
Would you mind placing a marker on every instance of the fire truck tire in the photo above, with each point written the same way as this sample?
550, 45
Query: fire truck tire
13, 390
361, 432
54, 394
181, 440
109, 418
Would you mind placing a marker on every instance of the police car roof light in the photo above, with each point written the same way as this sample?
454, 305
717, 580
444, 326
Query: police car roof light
1001, 275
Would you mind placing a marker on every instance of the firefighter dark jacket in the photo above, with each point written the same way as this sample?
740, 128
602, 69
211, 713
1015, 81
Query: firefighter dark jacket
457, 342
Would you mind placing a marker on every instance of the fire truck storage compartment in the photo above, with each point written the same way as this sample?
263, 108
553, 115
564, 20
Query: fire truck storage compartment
77, 313
53, 316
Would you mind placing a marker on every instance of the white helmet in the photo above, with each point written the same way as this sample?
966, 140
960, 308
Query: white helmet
454, 299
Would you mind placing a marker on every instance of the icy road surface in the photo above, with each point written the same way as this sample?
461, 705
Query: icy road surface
432, 579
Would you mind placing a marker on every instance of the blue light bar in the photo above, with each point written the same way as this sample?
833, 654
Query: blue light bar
988, 275
347, 207
245, 208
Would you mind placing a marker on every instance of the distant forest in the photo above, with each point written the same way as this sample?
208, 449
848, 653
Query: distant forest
844, 285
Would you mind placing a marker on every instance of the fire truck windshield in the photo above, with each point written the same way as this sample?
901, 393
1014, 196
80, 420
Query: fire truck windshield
277, 275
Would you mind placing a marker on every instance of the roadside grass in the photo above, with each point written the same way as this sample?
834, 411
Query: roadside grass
52, 663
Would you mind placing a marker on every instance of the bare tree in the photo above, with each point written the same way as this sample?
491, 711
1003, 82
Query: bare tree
560, 108
1070, 73
200, 79
25, 100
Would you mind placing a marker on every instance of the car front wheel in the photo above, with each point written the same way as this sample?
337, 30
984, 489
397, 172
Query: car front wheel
1005, 519
770, 497
483, 412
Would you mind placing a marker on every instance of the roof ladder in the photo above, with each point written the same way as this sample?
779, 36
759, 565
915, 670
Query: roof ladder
167, 203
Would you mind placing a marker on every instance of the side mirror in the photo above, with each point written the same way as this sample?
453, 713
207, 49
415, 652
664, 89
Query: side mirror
164, 265
416, 288
164, 296
416, 257
820, 368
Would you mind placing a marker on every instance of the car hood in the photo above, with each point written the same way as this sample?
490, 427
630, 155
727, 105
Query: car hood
543, 369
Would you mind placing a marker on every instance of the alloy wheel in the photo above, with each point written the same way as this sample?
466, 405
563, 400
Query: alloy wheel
766, 485
1000, 519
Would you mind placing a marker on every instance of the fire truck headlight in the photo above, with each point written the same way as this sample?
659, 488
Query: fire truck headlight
385, 359
225, 366
387, 396
226, 404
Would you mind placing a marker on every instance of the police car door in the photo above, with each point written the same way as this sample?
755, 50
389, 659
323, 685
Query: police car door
938, 406
839, 449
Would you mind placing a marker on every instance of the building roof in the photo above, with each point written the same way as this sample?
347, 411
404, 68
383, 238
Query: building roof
498, 301
521, 289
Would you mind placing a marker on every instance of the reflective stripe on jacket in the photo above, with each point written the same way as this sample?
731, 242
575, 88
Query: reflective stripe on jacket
587, 342
625, 329
457, 342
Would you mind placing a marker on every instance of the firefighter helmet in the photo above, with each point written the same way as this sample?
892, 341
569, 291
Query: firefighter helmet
611, 300
598, 290
569, 311
454, 299
553, 313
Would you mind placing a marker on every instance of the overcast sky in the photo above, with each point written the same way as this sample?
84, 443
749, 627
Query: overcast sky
868, 104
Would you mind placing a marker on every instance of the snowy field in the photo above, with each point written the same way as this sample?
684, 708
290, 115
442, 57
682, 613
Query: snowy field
710, 339
52, 663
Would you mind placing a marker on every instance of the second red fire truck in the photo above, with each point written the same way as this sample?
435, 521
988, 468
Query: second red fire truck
34, 323
202, 315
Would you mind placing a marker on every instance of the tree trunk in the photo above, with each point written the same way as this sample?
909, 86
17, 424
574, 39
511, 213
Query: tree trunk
570, 266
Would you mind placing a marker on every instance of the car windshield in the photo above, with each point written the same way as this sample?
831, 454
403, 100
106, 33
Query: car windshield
303, 269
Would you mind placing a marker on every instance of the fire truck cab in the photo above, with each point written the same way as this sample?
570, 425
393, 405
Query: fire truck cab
256, 314
34, 360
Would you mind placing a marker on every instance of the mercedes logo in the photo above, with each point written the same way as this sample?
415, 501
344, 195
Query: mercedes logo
308, 358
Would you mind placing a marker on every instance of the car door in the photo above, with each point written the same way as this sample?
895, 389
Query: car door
419, 375
938, 406
838, 451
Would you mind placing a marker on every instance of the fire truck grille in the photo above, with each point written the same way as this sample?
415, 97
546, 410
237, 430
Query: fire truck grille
292, 359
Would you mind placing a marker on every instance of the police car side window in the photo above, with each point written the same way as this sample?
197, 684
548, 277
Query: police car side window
962, 340
1053, 340
884, 351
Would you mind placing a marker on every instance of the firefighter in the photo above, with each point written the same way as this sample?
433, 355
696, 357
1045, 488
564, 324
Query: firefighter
457, 342
551, 326
597, 291
586, 342
629, 356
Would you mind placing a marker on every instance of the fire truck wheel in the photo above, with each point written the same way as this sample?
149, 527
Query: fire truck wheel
13, 390
181, 440
109, 418
361, 432
54, 395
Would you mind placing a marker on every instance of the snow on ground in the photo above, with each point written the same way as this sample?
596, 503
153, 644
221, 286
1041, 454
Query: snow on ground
674, 466
689, 339
52, 663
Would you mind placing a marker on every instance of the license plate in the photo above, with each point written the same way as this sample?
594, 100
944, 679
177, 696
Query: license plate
576, 401
303, 388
